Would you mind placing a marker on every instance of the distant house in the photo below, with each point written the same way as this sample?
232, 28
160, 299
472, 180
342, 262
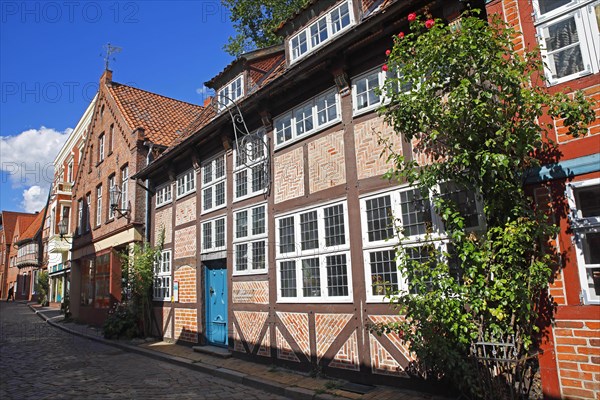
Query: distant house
28, 254
9, 222
127, 128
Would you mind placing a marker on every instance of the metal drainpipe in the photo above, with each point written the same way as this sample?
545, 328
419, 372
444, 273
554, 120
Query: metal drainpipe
147, 224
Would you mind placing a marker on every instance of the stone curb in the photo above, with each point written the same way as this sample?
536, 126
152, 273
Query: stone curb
267, 385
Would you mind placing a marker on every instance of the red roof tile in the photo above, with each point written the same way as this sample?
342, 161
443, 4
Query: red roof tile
34, 226
161, 117
9, 222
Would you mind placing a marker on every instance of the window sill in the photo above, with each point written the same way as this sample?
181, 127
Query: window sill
210, 210
251, 272
186, 194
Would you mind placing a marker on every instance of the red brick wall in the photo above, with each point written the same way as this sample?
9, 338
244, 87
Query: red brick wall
186, 276
186, 325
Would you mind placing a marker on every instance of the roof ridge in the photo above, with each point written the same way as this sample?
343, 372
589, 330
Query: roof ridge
157, 94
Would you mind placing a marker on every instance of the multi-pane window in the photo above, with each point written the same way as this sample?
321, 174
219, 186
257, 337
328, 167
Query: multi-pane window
317, 113
164, 195
312, 255
321, 31
111, 185
584, 202
365, 96
568, 32
101, 148
125, 187
231, 92
111, 138
213, 235
213, 183
162, 276
186, 183
249, 172
407, 213
70, 172
99, 205
250, 240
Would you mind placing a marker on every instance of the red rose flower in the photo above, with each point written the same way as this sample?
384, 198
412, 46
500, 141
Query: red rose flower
401, 35
429, 23
385, 67
412, 17
388, 52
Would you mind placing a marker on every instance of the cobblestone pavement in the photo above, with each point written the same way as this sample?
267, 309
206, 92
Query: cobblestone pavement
38, 361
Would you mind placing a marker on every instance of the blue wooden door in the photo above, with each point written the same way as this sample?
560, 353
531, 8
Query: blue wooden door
216, 306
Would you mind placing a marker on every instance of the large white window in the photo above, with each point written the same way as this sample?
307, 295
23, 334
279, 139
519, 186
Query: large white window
164, 195
365, 96
250, 241
213, 235
413, 214
249, 176
162, 276
186, 183
231, 92
321, 31
99, 205
584, 202
316, 114
313, 259
213, 183
568, 33
111, 184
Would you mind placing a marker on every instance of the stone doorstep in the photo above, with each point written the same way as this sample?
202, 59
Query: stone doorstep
213, 351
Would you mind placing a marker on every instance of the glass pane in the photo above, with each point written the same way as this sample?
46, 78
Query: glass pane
220, 194
591, 247
334, 226
384, 276
241, 257
220, 233
258, 220
588, 201
258, 255
241, 183
288, 278
549, 5
562, 40
207, 235
416, 213
337, 275
464, 201
311, 280
258, 177
379, 219
309, 232
241, 224
286, 235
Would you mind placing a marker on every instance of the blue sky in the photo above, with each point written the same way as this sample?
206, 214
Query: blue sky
51, 61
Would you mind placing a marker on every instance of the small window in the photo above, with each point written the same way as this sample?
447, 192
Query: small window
101, 148
213, 184
231, 92
250, 169
111, 184
125, 187
99, 205
164, 195
186, 183
162, 276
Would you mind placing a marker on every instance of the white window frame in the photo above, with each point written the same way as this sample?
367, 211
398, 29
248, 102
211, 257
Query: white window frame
88, 213
213, 182
581, 226
70, 171
124, 187
321, 252
239, 167
98, 205
587, 31
381, 76
230, 89
186, 183
80, 216
211, 223
34, 276
163, 281
101, 147
164, 194
290, 115
111, 184
249, 239
332, 33
437, 238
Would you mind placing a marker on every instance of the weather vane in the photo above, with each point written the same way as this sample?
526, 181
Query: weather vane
110, 50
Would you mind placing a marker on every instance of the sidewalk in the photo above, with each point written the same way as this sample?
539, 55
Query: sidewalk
272, 379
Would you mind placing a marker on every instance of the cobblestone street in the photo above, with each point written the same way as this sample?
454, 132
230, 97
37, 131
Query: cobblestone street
38, 361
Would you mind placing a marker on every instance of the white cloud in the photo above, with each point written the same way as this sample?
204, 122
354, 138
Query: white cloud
27, 159
34, 199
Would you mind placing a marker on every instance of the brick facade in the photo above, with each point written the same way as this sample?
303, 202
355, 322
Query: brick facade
185, 242
186, 276
288, 178
186, 325
326, 162
372, 137
185, 211
163, 220
253, 292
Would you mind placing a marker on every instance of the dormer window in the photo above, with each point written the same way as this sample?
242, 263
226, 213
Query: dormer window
231, 92
321, 31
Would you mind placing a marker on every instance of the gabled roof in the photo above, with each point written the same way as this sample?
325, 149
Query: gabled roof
161, 117
9, 222
34, 226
